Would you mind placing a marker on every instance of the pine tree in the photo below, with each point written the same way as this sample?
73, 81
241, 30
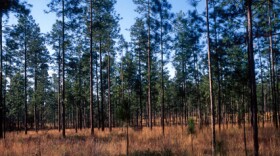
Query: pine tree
5, 8
162, 8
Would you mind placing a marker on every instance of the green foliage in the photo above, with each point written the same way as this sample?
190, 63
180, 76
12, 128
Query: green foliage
191, 126
123, 110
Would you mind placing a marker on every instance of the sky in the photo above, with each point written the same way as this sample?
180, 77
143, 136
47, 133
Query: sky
125, 8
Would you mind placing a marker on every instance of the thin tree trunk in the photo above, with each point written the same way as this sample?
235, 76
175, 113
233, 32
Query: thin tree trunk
59, 87
272, 67
101, 86
1, 60
97, 91
162, 79
262, 88
127, 139
218, 71
36, 115
140, 88
25, 82
252, 76
109, 95
76, 116
91, 77
244, 123
63, 72
210, 83
149, 69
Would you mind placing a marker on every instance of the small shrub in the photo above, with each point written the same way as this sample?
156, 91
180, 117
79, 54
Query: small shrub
191, 126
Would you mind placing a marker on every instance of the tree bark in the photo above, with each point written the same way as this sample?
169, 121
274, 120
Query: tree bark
210, 83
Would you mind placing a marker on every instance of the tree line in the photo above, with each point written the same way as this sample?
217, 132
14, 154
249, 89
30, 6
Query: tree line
226, 63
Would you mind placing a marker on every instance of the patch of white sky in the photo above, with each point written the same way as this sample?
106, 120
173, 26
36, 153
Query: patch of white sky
125, 8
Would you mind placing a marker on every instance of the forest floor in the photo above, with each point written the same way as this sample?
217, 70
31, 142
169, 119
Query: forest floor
176, 141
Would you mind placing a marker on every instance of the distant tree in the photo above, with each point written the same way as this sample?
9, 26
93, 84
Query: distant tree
28, 44
191, 129
105, 27
54, 38
144, 8
68, 10
139, 45
162, 8
15, 102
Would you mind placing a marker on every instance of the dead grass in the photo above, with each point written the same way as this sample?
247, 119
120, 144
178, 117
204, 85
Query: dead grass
142, 142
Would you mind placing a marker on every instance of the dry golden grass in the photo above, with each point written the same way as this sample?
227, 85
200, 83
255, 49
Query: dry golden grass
142, 142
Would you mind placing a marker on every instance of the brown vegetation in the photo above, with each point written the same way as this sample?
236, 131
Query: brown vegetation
177, 141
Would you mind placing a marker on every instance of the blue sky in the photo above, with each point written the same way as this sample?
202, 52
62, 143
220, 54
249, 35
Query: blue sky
123, 7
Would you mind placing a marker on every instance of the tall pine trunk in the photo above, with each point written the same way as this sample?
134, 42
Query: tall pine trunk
210, 83
63, 72
97, 91
25, 83
59, 87
91, 77
272, 67
262, 87
1, 98
252, 76
140, 89
109, 95
149, 69
36, 114
101, 87
162, 79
